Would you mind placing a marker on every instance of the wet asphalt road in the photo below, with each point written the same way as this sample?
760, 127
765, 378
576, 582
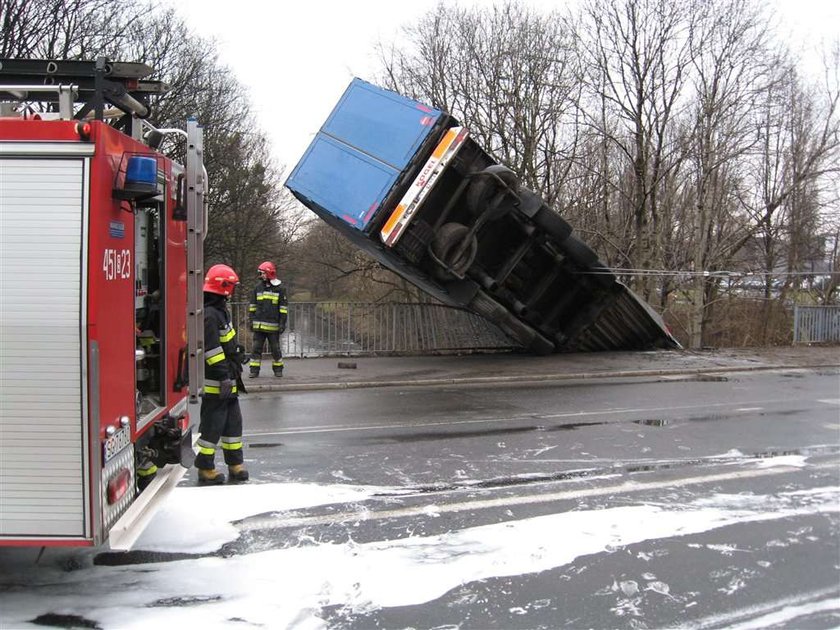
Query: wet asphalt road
695, 501
472, 456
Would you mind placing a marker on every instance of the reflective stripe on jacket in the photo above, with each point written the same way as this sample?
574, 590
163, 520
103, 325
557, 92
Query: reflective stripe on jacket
269, 308
219, 345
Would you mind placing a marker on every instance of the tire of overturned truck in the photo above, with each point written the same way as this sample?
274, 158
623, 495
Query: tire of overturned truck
601, 275
584, 256
579, 252
553, 224
491, 310
451, 250
485, 186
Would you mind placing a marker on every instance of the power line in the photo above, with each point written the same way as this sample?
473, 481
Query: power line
705, 273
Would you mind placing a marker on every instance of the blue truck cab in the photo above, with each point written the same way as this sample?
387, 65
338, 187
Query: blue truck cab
407, 184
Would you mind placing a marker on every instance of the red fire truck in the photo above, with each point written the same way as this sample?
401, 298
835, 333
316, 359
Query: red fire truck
100, 302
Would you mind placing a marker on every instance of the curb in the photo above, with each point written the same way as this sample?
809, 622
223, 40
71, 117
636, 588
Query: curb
525, 378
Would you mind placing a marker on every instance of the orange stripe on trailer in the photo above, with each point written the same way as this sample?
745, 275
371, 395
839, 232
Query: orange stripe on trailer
396, 215
448, 139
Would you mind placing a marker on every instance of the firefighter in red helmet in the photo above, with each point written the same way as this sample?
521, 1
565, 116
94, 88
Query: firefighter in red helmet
221, 419
267, 313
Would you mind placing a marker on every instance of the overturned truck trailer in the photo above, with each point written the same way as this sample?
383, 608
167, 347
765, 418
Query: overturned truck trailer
407, 184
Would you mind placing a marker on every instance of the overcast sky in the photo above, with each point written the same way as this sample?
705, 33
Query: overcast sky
296, 58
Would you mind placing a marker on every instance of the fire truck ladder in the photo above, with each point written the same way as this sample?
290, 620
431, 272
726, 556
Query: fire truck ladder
196, 181
92, 84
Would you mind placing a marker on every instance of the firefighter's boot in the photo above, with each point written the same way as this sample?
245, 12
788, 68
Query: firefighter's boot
253, 373
210, 477
238, 474
278, 372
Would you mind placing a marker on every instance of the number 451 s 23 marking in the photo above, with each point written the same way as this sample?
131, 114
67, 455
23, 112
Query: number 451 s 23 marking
116, 263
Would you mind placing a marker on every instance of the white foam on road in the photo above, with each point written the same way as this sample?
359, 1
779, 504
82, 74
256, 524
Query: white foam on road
288, 588
779, 613
200, 520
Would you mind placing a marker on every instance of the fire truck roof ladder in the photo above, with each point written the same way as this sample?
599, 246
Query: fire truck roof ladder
90, 83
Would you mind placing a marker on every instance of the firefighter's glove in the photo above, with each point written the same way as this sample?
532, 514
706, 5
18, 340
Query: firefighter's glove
241, 356
225, 389
282, 329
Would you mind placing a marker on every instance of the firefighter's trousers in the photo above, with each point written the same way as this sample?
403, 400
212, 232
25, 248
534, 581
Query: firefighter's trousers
220, 420
273, 338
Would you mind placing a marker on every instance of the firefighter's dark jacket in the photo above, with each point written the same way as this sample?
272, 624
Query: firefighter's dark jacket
221, 352
269, 307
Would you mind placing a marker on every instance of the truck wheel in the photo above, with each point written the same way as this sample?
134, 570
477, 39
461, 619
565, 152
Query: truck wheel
514, 328
553, 223
485, 186
582, 255
579, 252
541, 346
601, 274
450, 249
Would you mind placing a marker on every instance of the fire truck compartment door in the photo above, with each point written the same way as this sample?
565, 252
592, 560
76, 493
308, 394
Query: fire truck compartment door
43, 477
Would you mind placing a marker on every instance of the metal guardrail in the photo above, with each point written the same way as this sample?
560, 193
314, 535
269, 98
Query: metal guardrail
317, 329
816, 324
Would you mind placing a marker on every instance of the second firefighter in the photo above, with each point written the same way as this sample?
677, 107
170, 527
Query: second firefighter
221, 418
267, 314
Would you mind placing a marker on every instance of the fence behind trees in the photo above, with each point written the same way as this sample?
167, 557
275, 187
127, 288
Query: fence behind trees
816, 324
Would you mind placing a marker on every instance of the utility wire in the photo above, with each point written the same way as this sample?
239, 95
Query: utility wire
705, 273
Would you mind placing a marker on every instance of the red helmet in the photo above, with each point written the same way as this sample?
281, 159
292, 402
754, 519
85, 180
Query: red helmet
269, 269
220, 279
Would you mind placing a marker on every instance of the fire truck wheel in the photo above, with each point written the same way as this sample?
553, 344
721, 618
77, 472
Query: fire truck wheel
452, 250
487, 190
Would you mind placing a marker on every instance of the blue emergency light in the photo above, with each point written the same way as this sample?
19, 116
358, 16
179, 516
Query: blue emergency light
141, 174
140, 178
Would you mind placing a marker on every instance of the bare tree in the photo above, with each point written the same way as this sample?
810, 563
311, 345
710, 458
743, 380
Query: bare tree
731, 57
251, 216
333, 268
509, 73
798, 154
636, 60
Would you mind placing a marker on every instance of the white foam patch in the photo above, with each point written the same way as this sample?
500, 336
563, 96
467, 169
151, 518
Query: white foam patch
289, 587
206, 514
794, 461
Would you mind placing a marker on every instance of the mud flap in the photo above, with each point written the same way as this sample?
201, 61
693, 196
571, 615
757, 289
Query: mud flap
186, 450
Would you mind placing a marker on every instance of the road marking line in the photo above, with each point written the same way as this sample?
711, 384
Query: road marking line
339, 428
628, 487
756, 616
